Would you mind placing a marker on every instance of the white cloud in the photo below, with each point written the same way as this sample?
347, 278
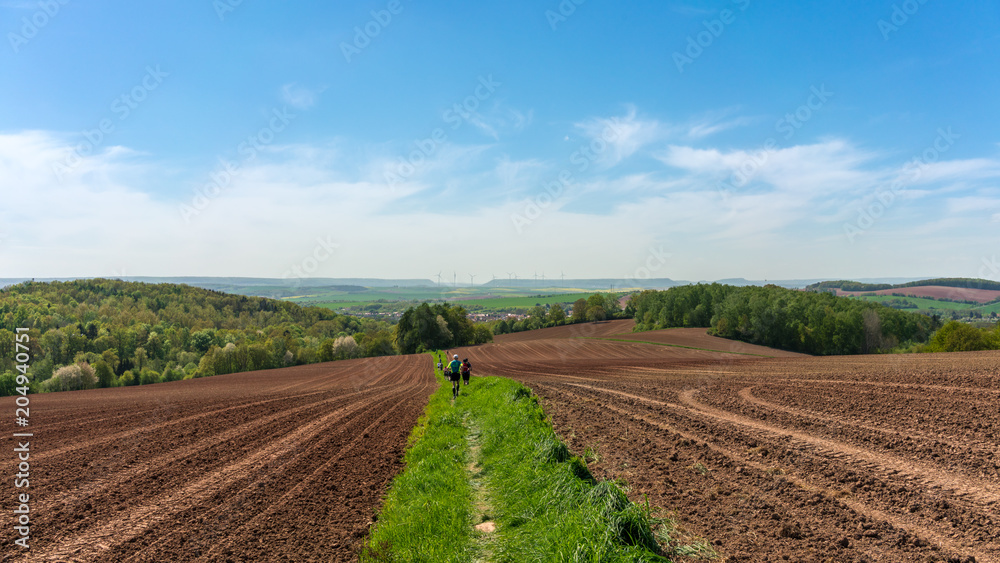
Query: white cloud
456, 211
623, 135
299, 97
500, 119
714, 122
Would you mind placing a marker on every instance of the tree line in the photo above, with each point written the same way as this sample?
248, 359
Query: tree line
815, 323
105, 333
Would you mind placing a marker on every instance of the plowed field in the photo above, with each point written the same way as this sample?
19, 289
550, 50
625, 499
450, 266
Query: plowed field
861, 458
282, 465
935, 292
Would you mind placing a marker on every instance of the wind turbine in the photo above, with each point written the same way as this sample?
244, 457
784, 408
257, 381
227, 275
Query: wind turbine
562, 276
509, 283
472, 280
439, 279
455, 278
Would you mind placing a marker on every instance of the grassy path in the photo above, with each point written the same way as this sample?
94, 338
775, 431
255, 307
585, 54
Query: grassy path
487, 479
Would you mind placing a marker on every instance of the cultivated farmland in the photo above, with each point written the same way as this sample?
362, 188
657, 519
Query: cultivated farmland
854, 458
767, 455
281, 465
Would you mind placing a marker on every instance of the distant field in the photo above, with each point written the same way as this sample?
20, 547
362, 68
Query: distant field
936, 292
926, 304
520, 302
922, 302
479, 299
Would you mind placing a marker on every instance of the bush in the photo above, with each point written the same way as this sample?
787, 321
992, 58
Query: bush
8, 384
126, 379
71, 378
960, 337
147, 377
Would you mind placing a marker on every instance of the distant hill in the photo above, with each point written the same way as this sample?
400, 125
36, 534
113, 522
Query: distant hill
853, 286
576, 283
289, 287
220, 283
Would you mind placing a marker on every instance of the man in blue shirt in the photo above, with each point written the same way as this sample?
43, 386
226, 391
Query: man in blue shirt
456, 369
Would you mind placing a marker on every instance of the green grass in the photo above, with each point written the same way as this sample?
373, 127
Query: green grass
544, 501
427, 515
479, 299
546, 505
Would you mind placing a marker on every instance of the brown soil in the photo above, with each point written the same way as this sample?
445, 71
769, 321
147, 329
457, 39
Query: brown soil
845, 459
280, 465
936, 292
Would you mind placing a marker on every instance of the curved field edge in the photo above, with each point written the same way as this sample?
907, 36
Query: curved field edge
544, 502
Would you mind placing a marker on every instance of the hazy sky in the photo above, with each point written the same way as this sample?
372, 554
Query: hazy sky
698, 140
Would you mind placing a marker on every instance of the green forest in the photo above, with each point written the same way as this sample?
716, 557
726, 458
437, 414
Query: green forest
803, 321
436, 327
105, 333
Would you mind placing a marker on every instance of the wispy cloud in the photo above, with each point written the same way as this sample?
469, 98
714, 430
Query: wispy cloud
500, 119
299, 97
621, 135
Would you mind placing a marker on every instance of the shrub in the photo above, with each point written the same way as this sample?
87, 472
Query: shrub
72, 378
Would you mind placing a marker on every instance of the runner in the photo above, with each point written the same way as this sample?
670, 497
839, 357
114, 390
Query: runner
466, 371
455, 366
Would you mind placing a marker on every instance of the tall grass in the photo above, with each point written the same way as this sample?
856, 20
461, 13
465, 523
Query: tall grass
547, 506
545, 503
427, 513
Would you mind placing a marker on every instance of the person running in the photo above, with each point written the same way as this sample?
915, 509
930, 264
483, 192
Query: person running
455, 367
466, 371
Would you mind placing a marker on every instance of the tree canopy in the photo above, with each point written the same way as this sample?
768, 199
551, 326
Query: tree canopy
802, 321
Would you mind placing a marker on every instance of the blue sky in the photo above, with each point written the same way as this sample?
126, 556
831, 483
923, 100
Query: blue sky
697, 140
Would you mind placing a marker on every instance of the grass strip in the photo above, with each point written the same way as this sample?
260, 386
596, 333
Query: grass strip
427, 515
674, 345
545, 502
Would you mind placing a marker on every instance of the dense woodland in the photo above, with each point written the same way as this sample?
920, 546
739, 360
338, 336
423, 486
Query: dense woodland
434, 327
802, 321
104, 333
